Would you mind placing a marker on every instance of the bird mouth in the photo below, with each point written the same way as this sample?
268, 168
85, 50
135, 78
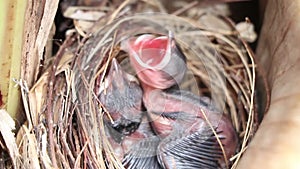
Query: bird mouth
152, 52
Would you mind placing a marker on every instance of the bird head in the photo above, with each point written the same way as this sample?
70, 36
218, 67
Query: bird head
157, 59
121, 95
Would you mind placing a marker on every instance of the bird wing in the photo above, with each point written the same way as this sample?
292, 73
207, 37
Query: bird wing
143, 155
198, 150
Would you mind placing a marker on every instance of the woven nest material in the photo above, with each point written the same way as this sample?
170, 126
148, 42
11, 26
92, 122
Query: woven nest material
220, 64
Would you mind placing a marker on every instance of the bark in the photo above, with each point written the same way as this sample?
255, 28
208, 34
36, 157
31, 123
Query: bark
276, 143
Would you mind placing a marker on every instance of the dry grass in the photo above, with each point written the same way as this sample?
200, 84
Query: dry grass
64, 127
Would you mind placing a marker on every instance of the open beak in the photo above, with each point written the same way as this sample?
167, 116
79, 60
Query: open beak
149, 52
157, 60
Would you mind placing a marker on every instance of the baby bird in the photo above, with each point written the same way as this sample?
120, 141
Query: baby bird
184, 121
179, 118
157, 60
121, 96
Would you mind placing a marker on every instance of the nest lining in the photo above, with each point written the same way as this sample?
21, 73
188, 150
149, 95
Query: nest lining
219, 63
221, 66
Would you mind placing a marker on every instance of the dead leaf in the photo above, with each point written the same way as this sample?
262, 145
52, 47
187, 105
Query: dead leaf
246, 30
86, 13
7, 125
29, 148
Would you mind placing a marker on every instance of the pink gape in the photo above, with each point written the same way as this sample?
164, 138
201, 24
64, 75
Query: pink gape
179, 117
157, 60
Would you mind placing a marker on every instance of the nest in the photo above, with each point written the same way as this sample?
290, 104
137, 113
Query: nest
69, 133
221, 66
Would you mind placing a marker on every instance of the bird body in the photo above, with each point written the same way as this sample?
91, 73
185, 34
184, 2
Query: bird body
138, 150
191, 132
130, 135
179, 114
141, 148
